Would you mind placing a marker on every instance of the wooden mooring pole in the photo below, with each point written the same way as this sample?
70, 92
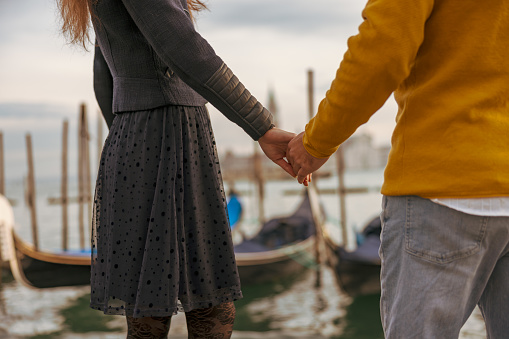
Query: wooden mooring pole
31, 191
84, 181
259, 180
340, 167
88, 180
64, 195
340, 164
311, 94
318, 238
81, 225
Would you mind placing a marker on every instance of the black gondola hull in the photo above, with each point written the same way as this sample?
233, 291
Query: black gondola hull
256, 268
357, 272
354, 277
41, 274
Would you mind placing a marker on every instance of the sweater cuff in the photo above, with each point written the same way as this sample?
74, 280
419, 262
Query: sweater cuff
313, 150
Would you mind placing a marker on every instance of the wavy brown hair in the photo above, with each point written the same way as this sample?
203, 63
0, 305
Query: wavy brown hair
76, 18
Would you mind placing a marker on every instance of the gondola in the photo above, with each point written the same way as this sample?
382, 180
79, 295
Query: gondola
357, 272
283, 247
36, 268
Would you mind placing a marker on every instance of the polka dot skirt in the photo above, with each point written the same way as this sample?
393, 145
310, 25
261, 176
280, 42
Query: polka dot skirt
160, 235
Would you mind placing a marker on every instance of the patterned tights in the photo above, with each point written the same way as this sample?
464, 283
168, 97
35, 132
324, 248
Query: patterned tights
204, 323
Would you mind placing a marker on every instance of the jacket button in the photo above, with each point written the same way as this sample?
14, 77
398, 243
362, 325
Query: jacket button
169, 72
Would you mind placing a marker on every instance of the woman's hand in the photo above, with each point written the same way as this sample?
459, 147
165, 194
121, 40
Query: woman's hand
274, 144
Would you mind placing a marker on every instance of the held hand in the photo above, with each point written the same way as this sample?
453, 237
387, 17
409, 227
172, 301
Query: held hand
274, 143
301, 161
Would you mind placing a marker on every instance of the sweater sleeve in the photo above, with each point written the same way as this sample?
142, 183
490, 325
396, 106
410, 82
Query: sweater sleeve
171, 33
378, 60
103, 86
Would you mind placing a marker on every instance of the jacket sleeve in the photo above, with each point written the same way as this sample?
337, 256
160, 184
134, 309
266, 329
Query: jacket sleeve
103, 86
378, 60
171, 33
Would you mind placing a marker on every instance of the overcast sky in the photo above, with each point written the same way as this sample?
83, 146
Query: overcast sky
268, 44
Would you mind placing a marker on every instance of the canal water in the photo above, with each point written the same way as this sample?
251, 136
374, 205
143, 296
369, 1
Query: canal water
297, 308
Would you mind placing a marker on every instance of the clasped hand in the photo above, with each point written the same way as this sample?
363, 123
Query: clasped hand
287, 150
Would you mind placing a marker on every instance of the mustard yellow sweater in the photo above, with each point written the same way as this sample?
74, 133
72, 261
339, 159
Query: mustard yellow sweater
447, 62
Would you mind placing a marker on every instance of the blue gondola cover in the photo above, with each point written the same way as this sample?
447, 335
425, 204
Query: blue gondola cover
234, 210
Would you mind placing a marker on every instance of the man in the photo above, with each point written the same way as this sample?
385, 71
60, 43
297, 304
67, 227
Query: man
445, 238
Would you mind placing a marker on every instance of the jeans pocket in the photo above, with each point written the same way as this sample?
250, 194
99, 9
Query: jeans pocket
440, 234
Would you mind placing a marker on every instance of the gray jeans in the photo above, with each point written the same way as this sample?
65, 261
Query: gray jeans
437, 264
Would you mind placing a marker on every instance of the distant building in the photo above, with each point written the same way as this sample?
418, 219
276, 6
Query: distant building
272, 107
359, 154
383, 155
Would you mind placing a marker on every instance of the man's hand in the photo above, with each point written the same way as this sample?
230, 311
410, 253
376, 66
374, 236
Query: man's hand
302, 163
274, 144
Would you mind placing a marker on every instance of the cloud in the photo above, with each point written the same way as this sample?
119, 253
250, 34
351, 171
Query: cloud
302, 17
268, 44
22, 20
37, 64
23, 110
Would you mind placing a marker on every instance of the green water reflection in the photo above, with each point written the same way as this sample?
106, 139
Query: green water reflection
362, 319
80, 318
245, 319
290, 308
354, 318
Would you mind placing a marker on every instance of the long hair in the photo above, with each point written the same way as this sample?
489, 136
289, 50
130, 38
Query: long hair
195, 6
76, 18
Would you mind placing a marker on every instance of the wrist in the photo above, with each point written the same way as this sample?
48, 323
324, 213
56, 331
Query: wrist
271, 127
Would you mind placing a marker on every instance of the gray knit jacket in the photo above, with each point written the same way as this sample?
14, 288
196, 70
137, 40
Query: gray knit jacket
148, 54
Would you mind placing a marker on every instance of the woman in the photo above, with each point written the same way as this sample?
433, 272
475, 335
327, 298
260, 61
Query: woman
161, 240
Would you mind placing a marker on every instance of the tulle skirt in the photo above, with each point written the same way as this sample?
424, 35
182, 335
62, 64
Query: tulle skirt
161, 241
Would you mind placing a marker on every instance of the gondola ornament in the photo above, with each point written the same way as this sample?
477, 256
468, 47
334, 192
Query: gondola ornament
7, 241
